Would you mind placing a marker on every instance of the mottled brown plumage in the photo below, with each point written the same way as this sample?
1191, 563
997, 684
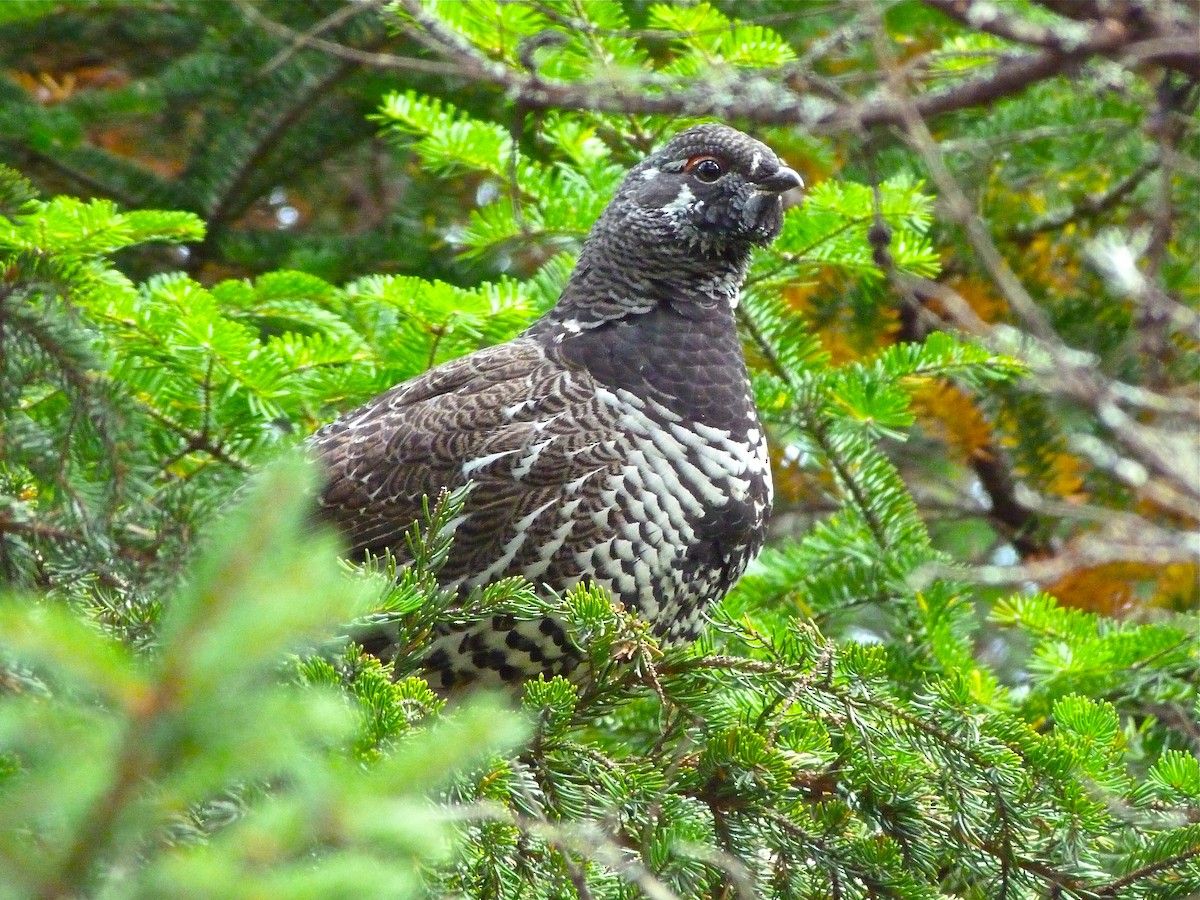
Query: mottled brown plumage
615, 441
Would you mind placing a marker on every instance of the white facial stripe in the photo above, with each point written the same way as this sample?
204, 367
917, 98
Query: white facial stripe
683, 201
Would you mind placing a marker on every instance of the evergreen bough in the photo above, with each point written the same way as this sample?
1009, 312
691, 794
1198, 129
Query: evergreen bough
182, 704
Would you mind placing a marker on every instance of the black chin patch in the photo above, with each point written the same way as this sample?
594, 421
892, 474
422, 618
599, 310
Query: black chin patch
762, 217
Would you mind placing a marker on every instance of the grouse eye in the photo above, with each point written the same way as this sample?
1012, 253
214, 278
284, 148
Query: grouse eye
706, 168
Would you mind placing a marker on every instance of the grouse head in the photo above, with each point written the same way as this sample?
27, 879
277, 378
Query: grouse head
711, 191
678, 233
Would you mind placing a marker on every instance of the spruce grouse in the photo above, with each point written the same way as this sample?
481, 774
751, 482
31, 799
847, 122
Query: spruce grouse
615, 441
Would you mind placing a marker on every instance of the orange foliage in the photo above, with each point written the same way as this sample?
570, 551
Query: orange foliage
797, 486
982, 296
838, 345
1056, 472
129, 141
122, 139
1147, 508
1065, 476
950, 414
836, 328
1118, 588
1049, 263
798, 295
51, 88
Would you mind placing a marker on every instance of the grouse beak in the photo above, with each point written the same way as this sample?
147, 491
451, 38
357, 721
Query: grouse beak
781, 181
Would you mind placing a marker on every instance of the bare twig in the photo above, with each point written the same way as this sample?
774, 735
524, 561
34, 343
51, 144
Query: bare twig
304, 39
309, 39
781, 97
1089, 206
1143, 544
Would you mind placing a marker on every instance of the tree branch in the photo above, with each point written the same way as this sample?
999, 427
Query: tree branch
1088, 206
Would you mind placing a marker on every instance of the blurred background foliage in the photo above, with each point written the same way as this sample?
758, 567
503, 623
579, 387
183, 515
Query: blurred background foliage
967, 663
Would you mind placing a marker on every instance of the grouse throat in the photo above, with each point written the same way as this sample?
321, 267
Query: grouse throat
614, 442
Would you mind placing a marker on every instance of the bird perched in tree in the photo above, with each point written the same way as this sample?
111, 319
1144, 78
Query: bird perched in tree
615, 441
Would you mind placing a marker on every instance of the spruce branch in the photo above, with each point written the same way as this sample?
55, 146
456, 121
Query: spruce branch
813, 423
1114, 888
756, 97
232, 201
921, 747
1087, 207
989, 463
299, 40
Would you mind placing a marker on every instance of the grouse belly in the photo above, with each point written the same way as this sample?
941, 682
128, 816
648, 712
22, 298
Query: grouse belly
686, 513
667, 530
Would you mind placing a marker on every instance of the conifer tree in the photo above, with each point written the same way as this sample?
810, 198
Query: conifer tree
967, 664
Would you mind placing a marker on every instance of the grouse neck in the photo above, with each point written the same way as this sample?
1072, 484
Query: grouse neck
614, 285
676, 352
